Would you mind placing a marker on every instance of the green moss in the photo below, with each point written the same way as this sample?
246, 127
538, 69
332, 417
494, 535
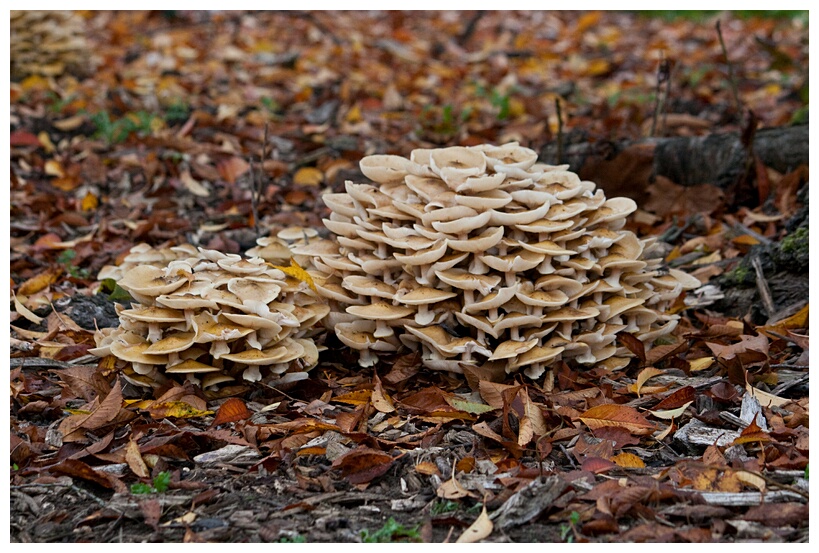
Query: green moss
793, 251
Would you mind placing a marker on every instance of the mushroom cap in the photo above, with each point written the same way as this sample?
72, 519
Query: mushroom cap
380, 311
153, 314
424, 296
191, 366
385, 168
516, 262
487, 239
512, 348
135, 353
368, 286
148, 280
484, 183
291, 234
492, 199
172, 343
464, 280
423, 257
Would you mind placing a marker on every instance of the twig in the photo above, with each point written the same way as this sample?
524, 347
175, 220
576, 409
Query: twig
762, 286
15, 362
469, 28
731, 78
663, 76
73, 487
559, 132
788, 385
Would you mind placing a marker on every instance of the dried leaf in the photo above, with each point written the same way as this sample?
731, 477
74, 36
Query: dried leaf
643, 377
380, 399
308, 176
176, 409
634, 344
610, 414
363, 464
24, 311
478, 530
670, 413
135, 461
232, 410
628, 460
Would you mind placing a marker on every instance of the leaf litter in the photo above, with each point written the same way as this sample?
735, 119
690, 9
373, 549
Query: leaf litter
162, 144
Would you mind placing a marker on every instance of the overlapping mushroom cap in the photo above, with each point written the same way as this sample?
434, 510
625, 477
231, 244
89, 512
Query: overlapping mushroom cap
47, 42
213, 317
482, 255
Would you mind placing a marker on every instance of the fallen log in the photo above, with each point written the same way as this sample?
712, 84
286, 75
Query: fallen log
626, 168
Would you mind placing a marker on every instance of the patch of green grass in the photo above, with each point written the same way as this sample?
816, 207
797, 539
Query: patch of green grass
298, 538
441, 507
115, 131
704, 15
391, 532
160, 485
58, 104
498, 100
567, 530
65, 258
177, 112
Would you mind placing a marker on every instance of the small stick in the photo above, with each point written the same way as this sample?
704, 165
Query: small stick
663, 76
731, 78
559, 132
762, 286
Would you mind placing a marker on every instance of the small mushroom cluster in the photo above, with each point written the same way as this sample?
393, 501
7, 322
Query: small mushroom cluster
481, 255
214, 318
46, 42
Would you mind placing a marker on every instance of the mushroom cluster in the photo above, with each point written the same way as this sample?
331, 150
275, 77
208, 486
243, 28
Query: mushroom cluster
46, 42
214, 318
481, 255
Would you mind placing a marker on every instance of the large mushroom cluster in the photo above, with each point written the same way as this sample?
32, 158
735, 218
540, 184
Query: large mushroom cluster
214, 318
481, 255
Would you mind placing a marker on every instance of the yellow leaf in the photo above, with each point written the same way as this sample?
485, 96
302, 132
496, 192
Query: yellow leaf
34, 81
45, 140
295, 271
629, 461
480, 529
308, 176
177, 409
89, 202
354, 114
701, 364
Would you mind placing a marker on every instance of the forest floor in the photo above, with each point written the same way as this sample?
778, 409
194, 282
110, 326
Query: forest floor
157, 138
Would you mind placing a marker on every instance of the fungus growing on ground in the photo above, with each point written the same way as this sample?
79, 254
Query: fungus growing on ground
212, 318
481, 255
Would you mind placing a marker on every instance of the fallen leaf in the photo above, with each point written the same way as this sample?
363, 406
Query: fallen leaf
176, 409
363, 464
478, 530
643, 377
308, 176
628, 460
24, 311
232, 410
135, 461
380, 399
611, 414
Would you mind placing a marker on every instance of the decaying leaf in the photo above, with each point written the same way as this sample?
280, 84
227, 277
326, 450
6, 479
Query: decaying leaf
478, 530
611, 414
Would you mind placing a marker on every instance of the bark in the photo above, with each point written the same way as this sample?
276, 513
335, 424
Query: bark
625, 168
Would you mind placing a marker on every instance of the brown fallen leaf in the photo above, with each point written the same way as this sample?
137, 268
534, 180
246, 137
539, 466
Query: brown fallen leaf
610, 414
232, 410
363, 464
135, 461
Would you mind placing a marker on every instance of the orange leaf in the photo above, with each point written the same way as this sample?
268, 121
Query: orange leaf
356, 397
610, 414
234, 409
232, 168
634, 344
308, 176
629, 461
89, 202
